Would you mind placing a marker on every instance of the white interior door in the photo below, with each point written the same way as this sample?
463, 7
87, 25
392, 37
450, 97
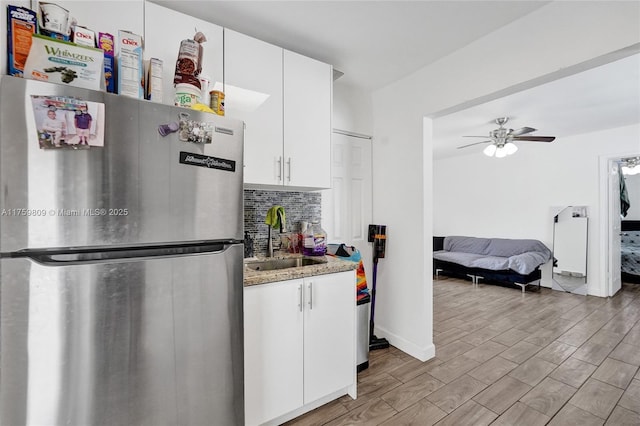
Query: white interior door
347, 207
615, 228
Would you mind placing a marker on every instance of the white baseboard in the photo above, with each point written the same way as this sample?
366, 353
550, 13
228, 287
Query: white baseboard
423, 353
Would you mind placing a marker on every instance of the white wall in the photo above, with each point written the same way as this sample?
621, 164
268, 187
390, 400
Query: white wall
556, 36
513, 197
633, 189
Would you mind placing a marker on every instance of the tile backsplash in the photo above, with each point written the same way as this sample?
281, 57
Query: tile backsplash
298, 206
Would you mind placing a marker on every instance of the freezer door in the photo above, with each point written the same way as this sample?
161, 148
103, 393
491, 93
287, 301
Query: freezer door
140, 342
141, 187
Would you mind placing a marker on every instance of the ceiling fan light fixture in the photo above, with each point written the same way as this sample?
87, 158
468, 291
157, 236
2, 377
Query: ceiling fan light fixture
510, 148
490, 150
502, 139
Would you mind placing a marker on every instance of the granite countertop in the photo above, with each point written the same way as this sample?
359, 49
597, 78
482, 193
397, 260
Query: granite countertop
330, 265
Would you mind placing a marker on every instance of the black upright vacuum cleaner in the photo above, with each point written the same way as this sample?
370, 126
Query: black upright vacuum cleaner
377, 236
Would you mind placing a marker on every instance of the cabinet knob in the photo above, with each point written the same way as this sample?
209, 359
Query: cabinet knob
310, 296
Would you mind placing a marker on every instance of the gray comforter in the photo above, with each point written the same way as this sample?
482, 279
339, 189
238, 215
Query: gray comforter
496, 254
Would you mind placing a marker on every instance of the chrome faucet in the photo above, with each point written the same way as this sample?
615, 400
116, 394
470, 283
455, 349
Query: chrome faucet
269, 244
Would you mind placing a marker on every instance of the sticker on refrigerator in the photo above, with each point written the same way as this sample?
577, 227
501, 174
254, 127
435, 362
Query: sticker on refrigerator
193, 159
68, 123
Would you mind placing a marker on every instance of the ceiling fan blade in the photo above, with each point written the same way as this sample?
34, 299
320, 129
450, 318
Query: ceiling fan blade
535, 138
472, 144
522, 131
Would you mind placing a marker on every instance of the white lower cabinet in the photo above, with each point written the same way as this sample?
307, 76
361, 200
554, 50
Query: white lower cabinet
299, 344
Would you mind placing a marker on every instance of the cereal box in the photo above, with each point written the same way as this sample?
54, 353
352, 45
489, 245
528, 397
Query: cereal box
107, 43
130, 67
84, 36
154, 80
21, 25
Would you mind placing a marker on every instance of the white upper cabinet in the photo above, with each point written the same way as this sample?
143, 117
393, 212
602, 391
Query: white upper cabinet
307, 121
165, 29
285, 101
253, 93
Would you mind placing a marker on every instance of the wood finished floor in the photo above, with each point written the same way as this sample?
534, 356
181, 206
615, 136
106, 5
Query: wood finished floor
504, 358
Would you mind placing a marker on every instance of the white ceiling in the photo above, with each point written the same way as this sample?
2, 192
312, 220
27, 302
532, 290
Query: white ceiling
600, 98
378, 42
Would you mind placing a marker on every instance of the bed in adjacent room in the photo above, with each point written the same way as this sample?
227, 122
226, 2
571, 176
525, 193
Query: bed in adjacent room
630, 251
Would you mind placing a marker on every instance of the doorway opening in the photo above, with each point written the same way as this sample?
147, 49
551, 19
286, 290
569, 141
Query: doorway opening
611, 224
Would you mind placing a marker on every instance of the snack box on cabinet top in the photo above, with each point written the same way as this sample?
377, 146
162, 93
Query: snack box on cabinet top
84, 36
63, 62
21, 25
107, 43
130, 66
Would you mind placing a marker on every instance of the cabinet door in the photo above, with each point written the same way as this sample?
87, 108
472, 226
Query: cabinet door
329, 334
273, 363
307, 121
165, 29
253, 93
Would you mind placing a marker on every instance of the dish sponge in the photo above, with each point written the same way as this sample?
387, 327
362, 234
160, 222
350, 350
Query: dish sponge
276, 217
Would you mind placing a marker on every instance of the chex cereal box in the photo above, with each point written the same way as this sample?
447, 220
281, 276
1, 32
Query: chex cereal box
84, 36
130, 65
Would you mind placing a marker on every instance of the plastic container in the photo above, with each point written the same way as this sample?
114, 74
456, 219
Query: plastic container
187, 95
315, 240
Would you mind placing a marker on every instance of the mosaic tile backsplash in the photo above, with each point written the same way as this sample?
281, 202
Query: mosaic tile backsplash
298, 207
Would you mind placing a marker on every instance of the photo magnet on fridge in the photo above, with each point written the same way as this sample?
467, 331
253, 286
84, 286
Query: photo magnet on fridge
68, 123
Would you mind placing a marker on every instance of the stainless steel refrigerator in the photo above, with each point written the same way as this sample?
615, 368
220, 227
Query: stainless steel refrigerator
120, 264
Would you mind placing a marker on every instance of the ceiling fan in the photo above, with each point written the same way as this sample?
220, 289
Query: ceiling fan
502, 139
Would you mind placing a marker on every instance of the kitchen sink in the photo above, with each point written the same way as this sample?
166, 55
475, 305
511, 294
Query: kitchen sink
273, 264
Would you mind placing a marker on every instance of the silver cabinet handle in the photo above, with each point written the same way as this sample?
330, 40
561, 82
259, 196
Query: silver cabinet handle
310, 296
289, 164
300, 300
280, 169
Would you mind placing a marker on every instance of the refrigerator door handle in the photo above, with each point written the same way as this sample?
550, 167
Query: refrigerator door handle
58, 257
